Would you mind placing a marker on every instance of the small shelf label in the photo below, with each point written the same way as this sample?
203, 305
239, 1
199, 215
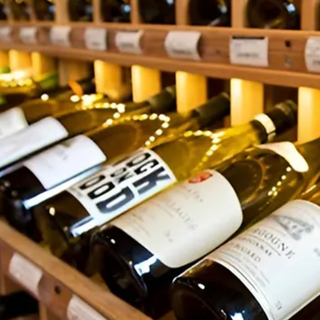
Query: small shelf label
129, 41
96, 39
80, 310
312, 54
5, 34
25, 272
183, 44
249, 51
28, 35
60, 36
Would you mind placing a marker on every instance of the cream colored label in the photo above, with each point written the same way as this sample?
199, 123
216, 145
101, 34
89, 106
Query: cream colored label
28, 35
12, 121
129, 41
312, 54
278, 259
186, 222
25, 272
60, 36
96, 39
288, 151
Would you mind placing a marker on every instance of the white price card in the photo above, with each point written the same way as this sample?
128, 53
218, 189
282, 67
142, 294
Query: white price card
312, 54
96, 39
28, 35
25, 272
249, 51
60, 36
80, 310
5, 34
129, 41
183, 44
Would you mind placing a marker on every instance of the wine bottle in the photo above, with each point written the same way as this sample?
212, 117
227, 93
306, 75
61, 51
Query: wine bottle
3, 10
142, 165
44, 9
157, 11
274, 14
115, 10
19, 9
80, 10
270, 271
213, 13
151, 274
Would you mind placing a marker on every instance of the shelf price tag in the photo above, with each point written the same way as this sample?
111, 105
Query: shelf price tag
25, 272
5, 34
129, 41
183, 44
249, 51
60, 36
28, 35
80, 310
312, 54
96, 39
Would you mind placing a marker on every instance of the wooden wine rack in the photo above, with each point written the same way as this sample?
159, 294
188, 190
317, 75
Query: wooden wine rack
287, 67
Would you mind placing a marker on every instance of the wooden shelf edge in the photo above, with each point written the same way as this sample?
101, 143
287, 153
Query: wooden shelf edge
57, 274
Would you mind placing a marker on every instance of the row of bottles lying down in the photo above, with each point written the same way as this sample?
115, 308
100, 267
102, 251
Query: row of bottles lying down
279, 14
140, 194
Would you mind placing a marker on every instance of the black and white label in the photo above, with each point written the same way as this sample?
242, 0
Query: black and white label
6, 34
129, 41
278, 259
25, 272
30, 139
119, 187
28, 35
80, 310
186, 222
183, 44
12, 121
96, 39
60, 36
249, 51
65, 160
312, 54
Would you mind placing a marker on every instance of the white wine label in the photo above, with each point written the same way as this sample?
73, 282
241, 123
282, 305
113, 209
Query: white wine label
183, 44
186, 222
12, 121
278, 259
249, 51
129, 41
30, 139
65, 160
6, 34
312, 54
80, 310
268, 125
119, 187
60, 36
96, 39
288, 151
26, 273
28, 35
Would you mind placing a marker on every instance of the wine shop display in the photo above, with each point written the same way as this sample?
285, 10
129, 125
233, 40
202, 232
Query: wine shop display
115, 10
19, 9
44, 9
157, 11
80, 10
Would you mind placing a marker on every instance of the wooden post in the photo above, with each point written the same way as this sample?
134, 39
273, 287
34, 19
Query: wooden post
19, 60
42, 64
135, 15
4, 59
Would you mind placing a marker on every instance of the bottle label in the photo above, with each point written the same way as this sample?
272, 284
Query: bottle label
6, 34
129, 41
288, 151
28, 35
119, 187
312, 54
186, 222
30, 139
60, 36
268, 125
278, 259
12, 121
65, 160
96, 39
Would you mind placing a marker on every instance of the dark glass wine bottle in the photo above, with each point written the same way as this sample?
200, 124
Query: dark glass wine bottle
17, 304
19, 9
44, 9
274, 14
80, 10
270, 271
138, 272
3, 10
215, 13
115, 10
143, 166
157, 11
